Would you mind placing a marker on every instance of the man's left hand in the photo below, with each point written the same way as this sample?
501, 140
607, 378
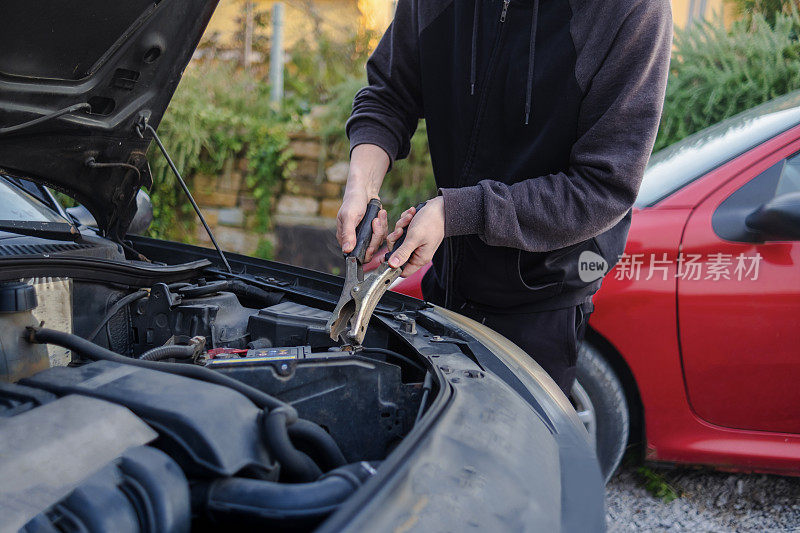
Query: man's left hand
425, 235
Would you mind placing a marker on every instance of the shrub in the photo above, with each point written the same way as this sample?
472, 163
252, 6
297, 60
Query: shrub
717, 73
319, 65
410, 181
769, 9
217, 113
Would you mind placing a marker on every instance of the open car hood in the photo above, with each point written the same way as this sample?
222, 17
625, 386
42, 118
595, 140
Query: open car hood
123, 59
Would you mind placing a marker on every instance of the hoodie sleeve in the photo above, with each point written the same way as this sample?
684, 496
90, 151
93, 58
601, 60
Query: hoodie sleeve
617, 126
386, 112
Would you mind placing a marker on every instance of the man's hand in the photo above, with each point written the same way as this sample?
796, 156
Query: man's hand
354, 205
368, 166
425, 235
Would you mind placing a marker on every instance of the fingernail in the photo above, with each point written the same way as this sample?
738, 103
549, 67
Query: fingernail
393, 262
347, 244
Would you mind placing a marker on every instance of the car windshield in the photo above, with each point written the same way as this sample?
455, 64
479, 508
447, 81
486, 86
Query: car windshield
678, 165
18, 205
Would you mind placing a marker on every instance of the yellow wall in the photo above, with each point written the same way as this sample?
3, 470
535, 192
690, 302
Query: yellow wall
339, 17
345, 17
376, 15
714, 9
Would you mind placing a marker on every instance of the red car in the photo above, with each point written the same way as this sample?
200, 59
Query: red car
694, 347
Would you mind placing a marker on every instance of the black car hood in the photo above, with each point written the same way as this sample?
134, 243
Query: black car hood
123, 59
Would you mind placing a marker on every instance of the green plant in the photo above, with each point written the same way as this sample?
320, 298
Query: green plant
336, 113
265, 249
716, 73
769, 9
319, 65
410, 181
268, 158
218, 112
657, 485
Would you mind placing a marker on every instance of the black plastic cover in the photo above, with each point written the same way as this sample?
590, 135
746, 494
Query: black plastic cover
144, 490
16, 297
16, 399
291, 324
48, 451
208, 429
363, 403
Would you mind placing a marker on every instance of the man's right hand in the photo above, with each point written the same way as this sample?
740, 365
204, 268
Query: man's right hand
354, 205
368, 166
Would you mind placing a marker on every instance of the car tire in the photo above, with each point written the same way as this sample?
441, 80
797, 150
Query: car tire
599, 399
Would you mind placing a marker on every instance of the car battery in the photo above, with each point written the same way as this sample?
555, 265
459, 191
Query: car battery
232, 357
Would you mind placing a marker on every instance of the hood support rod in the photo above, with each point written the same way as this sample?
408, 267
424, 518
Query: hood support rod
140, 129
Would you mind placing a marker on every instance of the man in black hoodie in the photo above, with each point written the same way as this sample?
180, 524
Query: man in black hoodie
541, 115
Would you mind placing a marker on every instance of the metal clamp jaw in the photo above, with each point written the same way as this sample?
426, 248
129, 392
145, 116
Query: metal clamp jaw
361, 296
359, 299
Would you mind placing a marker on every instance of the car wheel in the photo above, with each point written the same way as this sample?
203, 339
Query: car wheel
599, 399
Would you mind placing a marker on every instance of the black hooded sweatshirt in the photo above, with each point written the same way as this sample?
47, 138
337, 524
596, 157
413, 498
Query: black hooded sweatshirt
541, 115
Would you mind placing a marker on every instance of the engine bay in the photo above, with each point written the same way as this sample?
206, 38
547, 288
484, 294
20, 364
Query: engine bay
241, 403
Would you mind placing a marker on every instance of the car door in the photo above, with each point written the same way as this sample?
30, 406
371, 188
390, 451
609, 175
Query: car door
739, 303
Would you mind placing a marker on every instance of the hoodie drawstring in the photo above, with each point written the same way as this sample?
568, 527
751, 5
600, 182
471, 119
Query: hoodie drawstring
531, 54
473, 60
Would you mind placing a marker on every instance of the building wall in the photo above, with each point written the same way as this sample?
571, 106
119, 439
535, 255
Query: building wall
339, 17
345, 17
684, 11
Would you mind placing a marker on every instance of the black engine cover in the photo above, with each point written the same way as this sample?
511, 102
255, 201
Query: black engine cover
208, 429
143, 490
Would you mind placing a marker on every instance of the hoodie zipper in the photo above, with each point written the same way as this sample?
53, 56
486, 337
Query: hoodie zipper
483, 95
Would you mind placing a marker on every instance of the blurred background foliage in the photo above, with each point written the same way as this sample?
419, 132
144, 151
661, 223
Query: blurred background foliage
221, 108
218, 112
769, 9
718, 72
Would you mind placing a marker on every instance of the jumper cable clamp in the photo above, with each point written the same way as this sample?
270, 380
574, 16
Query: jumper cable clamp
360, 295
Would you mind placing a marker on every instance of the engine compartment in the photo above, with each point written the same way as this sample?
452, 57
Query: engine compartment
256, 413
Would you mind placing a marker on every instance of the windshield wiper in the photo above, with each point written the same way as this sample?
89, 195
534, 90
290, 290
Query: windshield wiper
61, 231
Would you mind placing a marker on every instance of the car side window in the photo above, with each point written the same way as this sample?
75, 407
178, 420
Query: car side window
781, 178
790, 176
18, 204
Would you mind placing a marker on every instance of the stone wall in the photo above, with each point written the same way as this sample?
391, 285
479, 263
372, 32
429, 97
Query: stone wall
303, 211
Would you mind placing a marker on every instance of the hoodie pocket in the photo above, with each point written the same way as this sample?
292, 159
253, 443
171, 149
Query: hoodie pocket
541, 285
489, 277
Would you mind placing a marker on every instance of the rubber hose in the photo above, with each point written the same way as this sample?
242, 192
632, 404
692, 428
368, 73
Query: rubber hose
240, 288
240, 501
312, 439
296, 467
96, 352
176, 351
116, 308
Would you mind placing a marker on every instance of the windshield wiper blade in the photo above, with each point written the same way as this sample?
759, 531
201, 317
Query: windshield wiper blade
47, 230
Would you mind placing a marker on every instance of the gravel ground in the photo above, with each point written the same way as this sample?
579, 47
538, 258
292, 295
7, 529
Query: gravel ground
710, 501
